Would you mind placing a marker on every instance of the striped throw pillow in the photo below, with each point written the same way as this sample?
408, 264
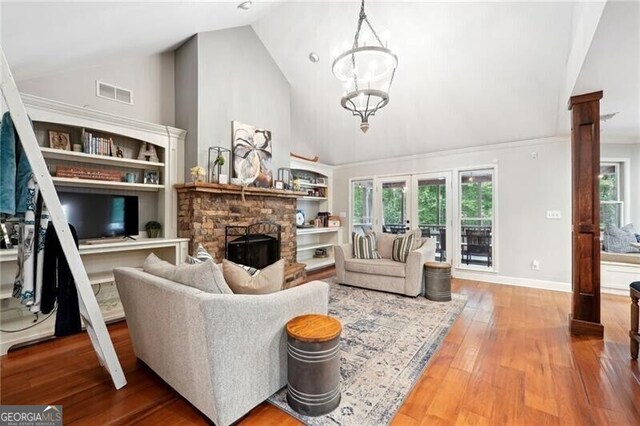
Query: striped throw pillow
195, 260
250, 269
201, 255
364, 247
402, 247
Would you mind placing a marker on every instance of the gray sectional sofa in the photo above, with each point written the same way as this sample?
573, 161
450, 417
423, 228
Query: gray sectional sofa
224, 353
385, 274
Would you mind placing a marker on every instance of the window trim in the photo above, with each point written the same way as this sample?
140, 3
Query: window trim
457, 222
624, 177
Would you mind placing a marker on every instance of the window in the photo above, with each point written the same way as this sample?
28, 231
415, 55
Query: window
611, 203
362, 205
476, 218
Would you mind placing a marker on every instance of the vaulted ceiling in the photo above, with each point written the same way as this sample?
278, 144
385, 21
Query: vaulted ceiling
470, 73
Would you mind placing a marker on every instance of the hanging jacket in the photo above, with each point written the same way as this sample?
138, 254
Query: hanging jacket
15, 170
58, 285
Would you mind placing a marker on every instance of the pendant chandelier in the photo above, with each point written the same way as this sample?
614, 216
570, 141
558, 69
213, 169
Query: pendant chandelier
367, 72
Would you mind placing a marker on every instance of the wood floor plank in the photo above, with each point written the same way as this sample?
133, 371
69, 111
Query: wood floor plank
508, 359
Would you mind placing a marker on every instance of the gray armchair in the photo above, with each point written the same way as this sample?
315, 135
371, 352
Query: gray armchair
384, 274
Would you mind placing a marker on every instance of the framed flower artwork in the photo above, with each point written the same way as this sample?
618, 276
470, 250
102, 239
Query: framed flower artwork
251, 149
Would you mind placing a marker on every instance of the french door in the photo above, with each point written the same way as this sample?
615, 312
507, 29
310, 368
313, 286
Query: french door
397, 204
394, 205
432, 201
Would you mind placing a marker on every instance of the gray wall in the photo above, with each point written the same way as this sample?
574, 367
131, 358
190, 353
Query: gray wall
150, 77
186, 96
238, 80
632, 152
527, 188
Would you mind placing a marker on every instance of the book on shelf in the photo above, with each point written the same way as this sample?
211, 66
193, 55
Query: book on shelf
96, 145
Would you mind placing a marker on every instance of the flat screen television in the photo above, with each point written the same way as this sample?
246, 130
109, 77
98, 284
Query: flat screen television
100, 215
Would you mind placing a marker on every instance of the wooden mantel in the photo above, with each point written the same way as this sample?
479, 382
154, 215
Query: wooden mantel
217, 188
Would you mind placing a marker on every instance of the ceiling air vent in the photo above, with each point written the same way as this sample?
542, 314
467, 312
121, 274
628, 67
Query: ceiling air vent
114, 93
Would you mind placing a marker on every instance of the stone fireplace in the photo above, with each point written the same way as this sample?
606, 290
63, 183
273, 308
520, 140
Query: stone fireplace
206, 209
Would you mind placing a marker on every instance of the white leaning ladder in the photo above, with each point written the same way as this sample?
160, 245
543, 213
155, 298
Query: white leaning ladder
89, 309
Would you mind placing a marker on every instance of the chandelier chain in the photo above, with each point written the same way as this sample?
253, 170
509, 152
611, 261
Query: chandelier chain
362, 17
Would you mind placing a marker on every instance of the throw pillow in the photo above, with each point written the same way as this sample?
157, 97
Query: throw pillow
251, 270
618, 240
202, 254
268, 280
402, 246
384, 244
205, 276
364, 247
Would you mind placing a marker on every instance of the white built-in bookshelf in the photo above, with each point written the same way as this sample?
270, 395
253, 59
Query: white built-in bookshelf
157, 201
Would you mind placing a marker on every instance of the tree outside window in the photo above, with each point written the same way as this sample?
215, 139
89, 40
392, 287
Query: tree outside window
362, 205
476, 199
611, 203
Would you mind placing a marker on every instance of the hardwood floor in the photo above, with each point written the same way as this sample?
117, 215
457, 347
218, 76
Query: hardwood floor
508, 359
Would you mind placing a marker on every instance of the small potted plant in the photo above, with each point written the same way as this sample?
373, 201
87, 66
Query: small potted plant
197, 174
153, 229
221, 178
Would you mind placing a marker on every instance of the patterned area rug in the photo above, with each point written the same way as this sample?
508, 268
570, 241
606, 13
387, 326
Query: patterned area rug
386, 341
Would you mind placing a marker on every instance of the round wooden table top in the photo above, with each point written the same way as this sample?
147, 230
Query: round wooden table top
314, 328
437, 265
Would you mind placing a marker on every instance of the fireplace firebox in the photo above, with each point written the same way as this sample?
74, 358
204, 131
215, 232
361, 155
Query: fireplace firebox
256, 245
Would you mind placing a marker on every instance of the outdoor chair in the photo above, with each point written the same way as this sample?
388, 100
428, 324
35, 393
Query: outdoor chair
478, 244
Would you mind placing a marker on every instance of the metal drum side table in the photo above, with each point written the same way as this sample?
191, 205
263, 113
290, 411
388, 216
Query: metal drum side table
313, 358
438, 281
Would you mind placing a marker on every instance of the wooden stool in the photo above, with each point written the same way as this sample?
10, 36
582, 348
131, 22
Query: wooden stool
634, 336
437, 276
313, 357
294, 275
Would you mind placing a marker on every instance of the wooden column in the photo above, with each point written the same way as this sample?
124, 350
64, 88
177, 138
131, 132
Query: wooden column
585, 160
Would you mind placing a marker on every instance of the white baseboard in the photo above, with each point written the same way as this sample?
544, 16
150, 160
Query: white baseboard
616, 291
518, 282
528, 282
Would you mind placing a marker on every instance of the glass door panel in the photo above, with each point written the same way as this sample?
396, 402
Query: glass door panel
362, 205
476, 218
394, 205
431, 209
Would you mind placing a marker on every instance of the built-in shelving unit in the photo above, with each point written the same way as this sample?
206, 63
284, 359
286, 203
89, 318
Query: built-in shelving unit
104, 184
312, 185
313, 246
157, 201
311, 198
315, 179
308, 231
319, 263
81, 157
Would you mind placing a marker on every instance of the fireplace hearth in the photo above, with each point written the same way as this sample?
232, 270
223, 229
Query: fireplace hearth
256, 245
